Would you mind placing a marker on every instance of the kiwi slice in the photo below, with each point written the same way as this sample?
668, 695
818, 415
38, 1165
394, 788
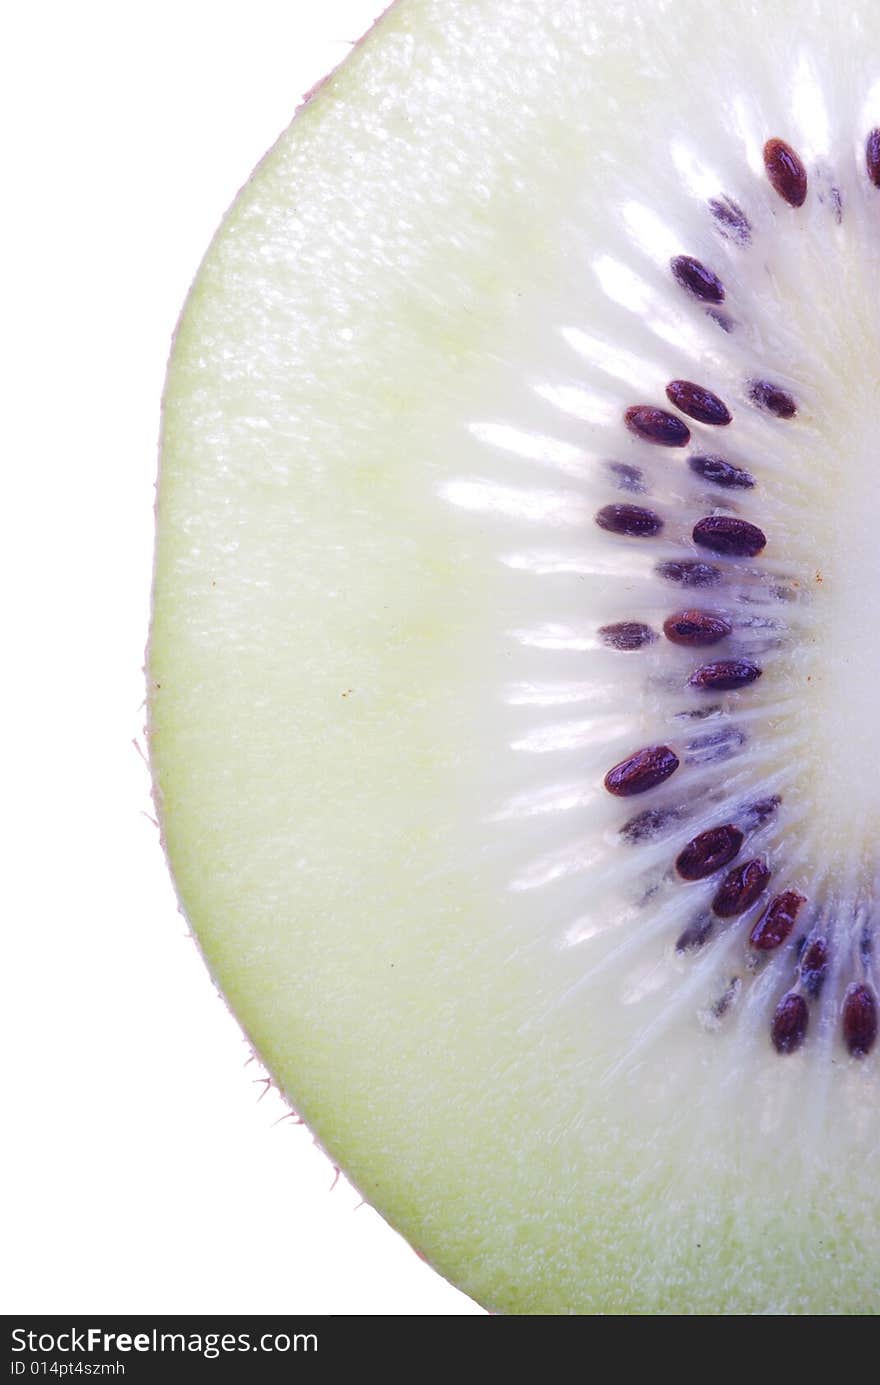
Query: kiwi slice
513, 666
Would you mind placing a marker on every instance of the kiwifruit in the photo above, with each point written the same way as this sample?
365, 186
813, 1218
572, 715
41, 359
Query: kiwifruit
514, 660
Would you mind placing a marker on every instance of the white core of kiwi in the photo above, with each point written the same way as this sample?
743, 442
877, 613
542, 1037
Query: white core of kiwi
382, 710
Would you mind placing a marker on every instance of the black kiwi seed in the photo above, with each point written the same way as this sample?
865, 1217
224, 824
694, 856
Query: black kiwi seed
708, 852
814, 966
724, 675
657, 426
696, 628
726, 999
786, 172
772, 399
776, 924
627, 635
689, 573
859, 1019
720, 472
629, 478
790, 1023
872, 157
757, 813
866, 944
696, 934
697, 279
642, 771
741, 888
632, 520
715, 745
731, 220
649, 824
698, 713
698, 402
735, 537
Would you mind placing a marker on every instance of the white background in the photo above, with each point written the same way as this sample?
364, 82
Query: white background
145, 1170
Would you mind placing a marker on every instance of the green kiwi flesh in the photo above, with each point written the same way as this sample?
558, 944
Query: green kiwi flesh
518, 443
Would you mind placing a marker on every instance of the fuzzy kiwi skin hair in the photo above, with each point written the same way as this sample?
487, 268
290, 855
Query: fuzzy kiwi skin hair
376, 860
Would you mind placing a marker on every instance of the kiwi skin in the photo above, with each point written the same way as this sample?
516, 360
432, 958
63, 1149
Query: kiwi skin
525, 1213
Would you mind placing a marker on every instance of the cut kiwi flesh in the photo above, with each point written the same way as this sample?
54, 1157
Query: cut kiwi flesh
514, 659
